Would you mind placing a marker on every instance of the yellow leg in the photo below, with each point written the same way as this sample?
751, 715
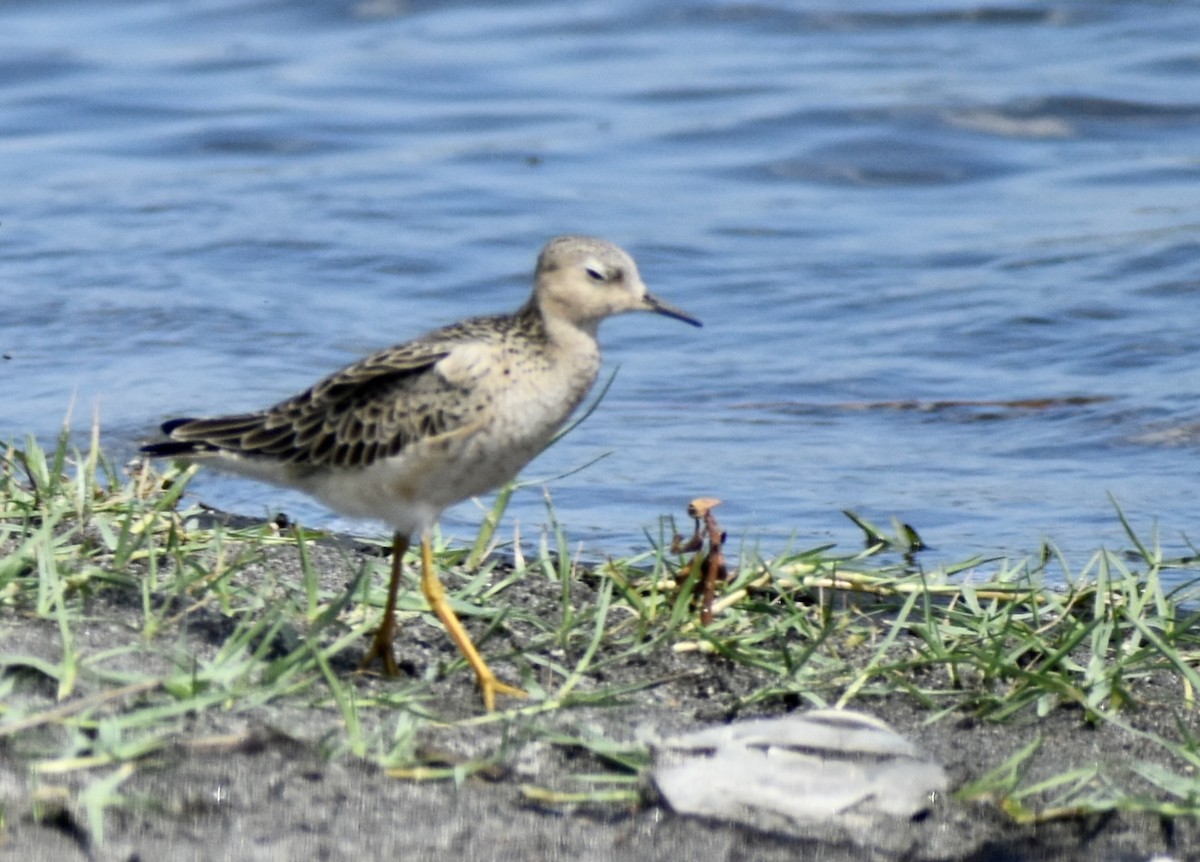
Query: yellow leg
381, 644
489, 685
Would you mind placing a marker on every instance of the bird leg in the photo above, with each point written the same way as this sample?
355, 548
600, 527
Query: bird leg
381, 644
435, 594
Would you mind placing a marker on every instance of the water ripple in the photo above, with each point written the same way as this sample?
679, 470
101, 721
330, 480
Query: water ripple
945, 252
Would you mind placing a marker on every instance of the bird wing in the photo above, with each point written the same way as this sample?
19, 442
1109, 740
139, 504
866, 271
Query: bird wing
371, 409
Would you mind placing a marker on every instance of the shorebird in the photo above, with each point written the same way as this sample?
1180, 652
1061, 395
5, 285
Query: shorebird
412, 429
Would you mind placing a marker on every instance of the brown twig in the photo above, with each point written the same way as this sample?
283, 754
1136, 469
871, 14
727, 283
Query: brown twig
711, 564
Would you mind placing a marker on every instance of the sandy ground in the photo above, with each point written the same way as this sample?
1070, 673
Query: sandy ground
258, 785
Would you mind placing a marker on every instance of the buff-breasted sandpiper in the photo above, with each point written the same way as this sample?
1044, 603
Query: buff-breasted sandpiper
410, 430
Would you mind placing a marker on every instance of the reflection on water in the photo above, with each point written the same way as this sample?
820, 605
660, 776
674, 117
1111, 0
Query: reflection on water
978, 222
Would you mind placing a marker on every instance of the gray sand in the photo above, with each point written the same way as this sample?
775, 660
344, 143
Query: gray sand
257, 786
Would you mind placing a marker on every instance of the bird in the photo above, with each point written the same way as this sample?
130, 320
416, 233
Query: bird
406, 432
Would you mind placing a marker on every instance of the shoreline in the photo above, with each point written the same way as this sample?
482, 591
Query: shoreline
176, 688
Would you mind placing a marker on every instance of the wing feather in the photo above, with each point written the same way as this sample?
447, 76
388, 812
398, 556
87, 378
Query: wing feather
323, 425
371, 409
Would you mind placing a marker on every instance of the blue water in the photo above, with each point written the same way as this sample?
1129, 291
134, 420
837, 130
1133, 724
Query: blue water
875, 207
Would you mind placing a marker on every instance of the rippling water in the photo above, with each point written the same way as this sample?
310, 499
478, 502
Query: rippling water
947, 255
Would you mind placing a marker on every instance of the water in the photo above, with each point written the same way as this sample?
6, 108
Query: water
874, 208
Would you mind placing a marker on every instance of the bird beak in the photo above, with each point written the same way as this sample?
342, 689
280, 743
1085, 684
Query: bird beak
653, 303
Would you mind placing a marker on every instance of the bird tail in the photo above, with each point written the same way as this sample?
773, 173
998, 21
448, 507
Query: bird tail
191, 437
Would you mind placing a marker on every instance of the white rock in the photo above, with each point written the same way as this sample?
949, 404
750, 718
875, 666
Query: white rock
825, 765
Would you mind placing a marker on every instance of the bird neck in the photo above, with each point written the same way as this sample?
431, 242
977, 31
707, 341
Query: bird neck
561, 332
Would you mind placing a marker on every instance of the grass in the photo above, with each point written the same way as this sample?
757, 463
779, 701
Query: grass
128, 615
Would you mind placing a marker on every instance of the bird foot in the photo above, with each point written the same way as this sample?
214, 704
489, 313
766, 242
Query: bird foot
490, 686
381, 648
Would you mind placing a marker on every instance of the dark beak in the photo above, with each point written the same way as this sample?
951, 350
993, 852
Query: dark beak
653, 303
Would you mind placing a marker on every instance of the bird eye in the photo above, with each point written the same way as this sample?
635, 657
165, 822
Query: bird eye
594, 274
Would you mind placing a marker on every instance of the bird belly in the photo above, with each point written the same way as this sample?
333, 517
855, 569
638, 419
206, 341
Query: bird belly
409, 491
